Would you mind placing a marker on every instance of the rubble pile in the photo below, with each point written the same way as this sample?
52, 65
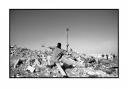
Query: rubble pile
34, 63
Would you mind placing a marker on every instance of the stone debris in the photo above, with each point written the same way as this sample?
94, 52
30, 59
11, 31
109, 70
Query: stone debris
37, 63
30, 68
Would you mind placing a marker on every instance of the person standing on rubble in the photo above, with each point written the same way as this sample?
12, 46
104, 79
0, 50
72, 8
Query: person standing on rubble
57, 55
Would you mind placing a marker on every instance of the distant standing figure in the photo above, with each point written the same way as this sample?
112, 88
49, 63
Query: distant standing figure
107, 56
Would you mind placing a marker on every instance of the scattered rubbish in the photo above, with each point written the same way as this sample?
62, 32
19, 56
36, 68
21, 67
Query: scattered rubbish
38, 63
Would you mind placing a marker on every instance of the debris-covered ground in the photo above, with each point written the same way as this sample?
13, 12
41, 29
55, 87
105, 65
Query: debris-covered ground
34, 63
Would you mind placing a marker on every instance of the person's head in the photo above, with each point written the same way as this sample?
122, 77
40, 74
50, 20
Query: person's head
59, 45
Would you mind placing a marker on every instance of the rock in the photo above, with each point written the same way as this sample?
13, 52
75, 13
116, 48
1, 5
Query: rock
31, 69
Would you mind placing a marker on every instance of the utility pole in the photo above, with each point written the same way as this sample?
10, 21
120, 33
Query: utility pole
67, 39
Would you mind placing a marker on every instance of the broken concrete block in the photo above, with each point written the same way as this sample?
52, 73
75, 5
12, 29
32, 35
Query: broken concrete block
31, 69
60, 69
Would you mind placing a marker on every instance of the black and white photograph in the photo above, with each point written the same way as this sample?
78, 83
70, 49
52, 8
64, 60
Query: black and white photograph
63, 43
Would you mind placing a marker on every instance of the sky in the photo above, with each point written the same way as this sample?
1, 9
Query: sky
90, 31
